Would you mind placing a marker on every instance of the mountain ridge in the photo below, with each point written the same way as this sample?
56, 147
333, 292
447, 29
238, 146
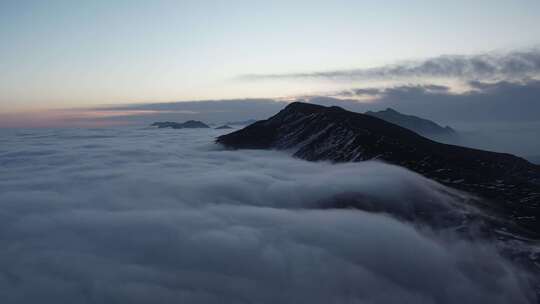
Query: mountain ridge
422, 126
317, 133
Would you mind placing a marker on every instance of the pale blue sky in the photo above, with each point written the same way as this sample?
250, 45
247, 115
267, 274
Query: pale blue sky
58, 54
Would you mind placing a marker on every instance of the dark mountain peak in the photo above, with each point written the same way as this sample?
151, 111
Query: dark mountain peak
195, 124
419, 125
390, 110
223, 127
190, 124
304, 107
316, 132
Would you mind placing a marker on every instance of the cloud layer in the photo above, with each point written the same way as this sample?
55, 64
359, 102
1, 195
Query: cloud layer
507, 66
485, 102
165, 216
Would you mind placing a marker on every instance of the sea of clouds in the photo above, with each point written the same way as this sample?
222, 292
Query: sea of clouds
138, 215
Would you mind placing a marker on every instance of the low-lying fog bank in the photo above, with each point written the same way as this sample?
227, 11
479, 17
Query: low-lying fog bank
132, 215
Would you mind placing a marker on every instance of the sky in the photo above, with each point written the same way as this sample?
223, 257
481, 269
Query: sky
72, 54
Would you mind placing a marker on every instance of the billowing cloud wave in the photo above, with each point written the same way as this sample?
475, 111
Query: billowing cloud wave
165, 216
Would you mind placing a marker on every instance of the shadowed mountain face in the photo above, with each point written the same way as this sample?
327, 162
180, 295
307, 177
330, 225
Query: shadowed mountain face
190, 124
419, 125
315, 133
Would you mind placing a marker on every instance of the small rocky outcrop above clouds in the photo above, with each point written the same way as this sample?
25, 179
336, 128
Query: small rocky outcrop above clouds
190, 124
223, 127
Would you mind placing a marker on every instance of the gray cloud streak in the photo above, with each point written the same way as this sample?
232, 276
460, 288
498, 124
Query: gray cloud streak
513, 65
209, 111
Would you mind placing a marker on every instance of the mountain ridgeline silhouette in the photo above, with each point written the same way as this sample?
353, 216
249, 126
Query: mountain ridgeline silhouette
190, 124
316, 133
419, 125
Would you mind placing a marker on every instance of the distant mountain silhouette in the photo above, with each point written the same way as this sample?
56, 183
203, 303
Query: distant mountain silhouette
190, 124
223, 127
316, 132
419, 125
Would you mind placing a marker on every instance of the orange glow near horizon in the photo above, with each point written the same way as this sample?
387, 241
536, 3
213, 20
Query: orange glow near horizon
72, 118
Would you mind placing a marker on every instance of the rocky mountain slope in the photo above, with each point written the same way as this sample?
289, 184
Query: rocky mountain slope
315, 133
